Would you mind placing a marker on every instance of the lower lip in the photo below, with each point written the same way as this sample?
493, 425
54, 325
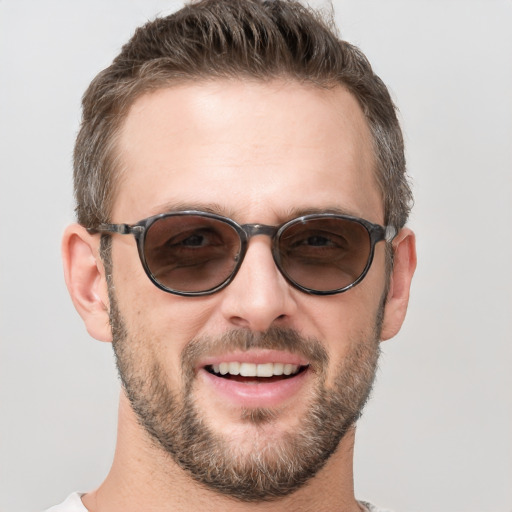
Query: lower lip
255, 393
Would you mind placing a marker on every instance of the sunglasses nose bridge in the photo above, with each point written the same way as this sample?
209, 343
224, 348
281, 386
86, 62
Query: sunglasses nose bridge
259, 229
252, 230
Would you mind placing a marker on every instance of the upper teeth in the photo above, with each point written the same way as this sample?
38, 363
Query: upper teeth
255, 370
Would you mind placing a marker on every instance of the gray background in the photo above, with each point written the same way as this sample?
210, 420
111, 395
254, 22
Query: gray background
438, 434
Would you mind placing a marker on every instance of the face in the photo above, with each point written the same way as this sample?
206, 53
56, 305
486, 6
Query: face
257, 153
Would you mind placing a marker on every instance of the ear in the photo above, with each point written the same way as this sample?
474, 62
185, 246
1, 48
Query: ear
404, 264
85, 278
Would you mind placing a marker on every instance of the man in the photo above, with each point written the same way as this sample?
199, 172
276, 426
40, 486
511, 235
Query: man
246, 308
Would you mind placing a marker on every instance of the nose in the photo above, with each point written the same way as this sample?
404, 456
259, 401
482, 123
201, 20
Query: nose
259, 296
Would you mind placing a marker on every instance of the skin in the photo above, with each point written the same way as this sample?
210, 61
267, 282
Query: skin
258, 153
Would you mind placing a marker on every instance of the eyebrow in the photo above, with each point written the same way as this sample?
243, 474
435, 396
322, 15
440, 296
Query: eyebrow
199, 207
218, 209
299, 212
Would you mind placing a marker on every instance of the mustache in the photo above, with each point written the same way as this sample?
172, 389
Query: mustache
275, 338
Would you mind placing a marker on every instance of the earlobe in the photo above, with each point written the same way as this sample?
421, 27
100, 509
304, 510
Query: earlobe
85, 278
404, 265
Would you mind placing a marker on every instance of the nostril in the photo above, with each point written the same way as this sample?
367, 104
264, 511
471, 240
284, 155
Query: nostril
239, 321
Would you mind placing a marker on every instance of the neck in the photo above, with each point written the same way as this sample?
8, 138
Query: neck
143, 477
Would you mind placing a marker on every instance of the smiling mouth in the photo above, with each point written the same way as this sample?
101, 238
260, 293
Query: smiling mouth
252, 372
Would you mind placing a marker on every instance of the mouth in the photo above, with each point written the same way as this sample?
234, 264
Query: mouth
262, 373
257, 379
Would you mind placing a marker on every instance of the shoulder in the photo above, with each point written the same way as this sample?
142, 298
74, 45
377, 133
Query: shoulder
72, 503
368, 507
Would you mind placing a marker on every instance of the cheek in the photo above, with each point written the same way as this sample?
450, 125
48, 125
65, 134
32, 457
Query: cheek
344, 321
162, 323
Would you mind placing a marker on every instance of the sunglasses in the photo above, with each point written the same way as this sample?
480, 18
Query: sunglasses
194, 253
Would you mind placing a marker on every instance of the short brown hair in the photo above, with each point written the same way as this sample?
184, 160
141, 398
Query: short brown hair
211, 39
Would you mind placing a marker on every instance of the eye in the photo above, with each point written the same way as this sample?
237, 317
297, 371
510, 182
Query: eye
194, 239
315, 239
318, 241
199, 249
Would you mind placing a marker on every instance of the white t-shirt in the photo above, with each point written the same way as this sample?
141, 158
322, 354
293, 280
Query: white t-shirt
73, 503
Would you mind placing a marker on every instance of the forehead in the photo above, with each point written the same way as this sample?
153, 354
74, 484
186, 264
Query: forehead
246, 149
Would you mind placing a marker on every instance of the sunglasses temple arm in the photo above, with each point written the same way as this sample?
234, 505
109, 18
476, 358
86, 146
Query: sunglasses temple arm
389, 233
122, 229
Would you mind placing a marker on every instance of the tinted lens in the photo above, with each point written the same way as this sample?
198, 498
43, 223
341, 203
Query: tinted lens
324, 254
191, 253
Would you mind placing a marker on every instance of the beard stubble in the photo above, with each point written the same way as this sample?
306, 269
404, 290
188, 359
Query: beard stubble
271, 468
